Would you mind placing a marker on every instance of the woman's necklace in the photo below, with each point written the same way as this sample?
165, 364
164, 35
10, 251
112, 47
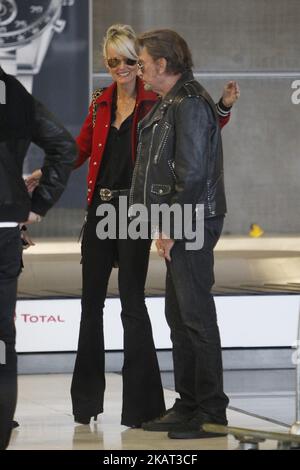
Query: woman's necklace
126, 103
125, 106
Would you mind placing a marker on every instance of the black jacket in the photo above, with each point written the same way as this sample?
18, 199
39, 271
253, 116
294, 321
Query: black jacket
24, 120
179, 155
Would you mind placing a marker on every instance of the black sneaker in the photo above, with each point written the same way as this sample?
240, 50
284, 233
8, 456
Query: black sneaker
169, 421
192, 429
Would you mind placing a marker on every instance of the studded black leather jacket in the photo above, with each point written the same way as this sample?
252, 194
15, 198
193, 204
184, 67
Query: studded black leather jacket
179, 155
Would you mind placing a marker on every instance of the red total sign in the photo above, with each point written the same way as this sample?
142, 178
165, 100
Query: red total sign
28, 318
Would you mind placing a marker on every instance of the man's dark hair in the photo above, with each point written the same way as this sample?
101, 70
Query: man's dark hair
170, 45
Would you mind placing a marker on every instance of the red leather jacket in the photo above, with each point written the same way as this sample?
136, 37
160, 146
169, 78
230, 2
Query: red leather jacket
93, 135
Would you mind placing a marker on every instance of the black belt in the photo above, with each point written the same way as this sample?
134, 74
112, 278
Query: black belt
108, 194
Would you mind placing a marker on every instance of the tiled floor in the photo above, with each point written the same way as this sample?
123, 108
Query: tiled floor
269, 394
278, 407
45, 417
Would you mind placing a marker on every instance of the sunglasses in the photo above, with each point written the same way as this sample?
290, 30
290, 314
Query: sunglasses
113, 63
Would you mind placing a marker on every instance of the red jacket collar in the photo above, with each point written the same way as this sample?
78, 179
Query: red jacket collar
142, 94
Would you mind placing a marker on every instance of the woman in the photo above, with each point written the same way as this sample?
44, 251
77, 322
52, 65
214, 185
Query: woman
108, 139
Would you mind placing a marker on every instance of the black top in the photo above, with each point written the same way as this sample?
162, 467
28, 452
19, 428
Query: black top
117, 167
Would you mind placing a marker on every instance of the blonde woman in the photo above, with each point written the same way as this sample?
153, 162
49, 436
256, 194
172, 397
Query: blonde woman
108, 140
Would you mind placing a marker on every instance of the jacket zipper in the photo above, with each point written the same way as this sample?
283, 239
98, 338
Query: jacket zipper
162, 144
149, 160
138, 158
208, 197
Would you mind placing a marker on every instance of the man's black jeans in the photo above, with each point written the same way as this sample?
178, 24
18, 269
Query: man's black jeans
191, 315
10, 266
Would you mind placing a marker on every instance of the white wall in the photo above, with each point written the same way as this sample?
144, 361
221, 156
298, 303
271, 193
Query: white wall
244, 321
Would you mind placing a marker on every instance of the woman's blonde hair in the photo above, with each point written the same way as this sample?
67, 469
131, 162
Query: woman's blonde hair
122, 38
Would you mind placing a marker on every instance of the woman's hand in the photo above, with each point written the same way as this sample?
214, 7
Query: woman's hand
231, 93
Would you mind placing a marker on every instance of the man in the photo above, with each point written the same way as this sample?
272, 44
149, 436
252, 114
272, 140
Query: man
180, 161
23, 120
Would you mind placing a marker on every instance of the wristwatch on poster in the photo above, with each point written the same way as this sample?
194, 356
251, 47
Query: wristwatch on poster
26, 30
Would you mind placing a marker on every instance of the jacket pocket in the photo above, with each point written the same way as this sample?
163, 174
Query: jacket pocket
160, 189
163, 137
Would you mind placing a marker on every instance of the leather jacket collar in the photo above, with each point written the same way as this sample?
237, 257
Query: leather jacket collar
185, 77
165, 102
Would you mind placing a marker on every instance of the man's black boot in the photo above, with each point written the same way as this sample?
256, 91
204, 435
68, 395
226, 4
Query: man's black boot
192, 429
169, 421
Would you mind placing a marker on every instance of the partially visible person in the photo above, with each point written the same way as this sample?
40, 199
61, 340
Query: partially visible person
23, 120
108, 140
187, 169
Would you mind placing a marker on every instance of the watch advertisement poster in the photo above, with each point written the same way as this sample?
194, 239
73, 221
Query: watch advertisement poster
45, 44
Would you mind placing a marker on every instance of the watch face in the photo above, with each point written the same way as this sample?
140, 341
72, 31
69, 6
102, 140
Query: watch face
22, 20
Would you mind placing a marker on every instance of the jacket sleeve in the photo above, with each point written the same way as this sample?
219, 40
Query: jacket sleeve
84, 139
193, 124
224, 113
60, 154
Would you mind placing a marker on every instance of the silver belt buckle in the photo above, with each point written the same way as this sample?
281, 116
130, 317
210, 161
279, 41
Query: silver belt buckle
105, 194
